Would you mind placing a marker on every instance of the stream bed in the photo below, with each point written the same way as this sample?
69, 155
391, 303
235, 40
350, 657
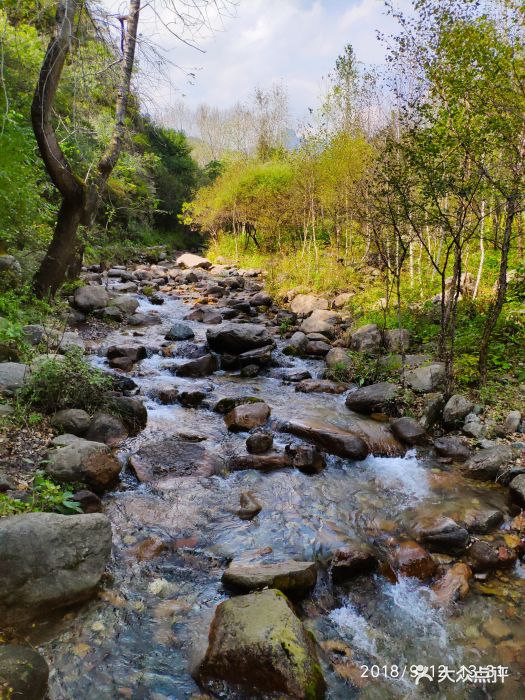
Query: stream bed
173, 538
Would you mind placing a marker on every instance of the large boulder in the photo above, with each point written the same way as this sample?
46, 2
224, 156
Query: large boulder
296, 345
247, 416
174, 457
290, 577
366, 339
258, 646
334, 440
200, 367
409, 558
131, 411
517, 488
91, 297
23, 673
409, 430
48, 561
304, 304
427, 378
12, 376
191, 261
237, 338
320, 321
317, 386
375, 398
342, 300
180, 331
107, 429
456, 408
486, 464
338, 359
125, 303
397, 339
85, 462
452, 447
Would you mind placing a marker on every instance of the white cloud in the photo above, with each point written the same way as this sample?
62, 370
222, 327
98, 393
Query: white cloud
294, 42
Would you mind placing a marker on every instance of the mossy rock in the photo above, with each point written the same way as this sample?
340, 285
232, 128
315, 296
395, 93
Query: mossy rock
23, 673
227, 404
257, 645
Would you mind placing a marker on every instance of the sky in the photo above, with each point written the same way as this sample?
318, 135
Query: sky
260, 42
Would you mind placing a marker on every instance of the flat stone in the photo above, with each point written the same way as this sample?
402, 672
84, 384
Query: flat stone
247, 416
375, 398
350, 562
453, 448
441, 534
294, 578
73, 421
200, 367
329, 437
310, 386
304, 304
12, 376
486, 464
249, 506
236, 339
174, 456
191, 261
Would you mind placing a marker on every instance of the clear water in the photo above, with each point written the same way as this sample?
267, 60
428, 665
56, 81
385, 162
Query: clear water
140, 637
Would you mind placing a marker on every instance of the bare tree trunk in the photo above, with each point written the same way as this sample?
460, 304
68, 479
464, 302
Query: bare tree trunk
497, 306
79, 201
481, 251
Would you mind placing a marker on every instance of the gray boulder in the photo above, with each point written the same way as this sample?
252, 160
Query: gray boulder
24, 673
409, 430
338, 358
487, 463
237, 338
517, 488
366, 339
12, 376
321, 321
125, 303
397, 339
426, 379
107, 429
512, 422
91, 297
296, 345
86, 462
48, 561
191, 261
375, 398
257, 645
452, 448
180, 331
132, 411
74, 421
34, 334
69, 340
456, 408
304, 304
200, 367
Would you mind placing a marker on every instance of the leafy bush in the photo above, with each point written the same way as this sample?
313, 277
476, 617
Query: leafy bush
65, 382
44, 496
364, 369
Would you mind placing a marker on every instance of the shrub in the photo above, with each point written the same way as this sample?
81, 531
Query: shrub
44, 496
65, 382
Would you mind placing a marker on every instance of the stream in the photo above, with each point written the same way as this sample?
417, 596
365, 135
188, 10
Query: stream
173, 538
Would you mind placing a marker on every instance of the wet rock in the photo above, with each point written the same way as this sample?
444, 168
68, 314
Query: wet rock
309, 386
517, 488
496, 629
227, 404
329, 437
291, 375
482, 521
168, 396
131, 411
321, 321
350, 562
247, 416
237, 338
109, 313
190, 261
487, 556
48, 561
86, 462
200, 367
296, 345
295, 578
409, 430
191, 397
74, 421
179, 331
259, 442
132, 353
512, 422
127, 287
91, 297
107, 429
366, 339
262, 463
456, 408
429, 378
250, 371
89, 501
397, 339
375, 398
12, 376
156, 299
258, 645
174, 456
124, 364
317, 348
304, 304
23, 673
452, 448
486, 464
125, 303
441, 535
307, 458
259, 357
453, 586
409, 558
250, 506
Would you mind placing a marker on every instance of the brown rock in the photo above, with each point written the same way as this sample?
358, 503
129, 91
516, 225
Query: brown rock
247, 416
347, 563
310, 386
454, 585
411, 559
263, 463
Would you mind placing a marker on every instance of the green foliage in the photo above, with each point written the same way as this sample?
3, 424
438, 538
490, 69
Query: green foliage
43, 496
65, 382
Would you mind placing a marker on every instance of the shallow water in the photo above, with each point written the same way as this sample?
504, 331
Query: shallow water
141, 636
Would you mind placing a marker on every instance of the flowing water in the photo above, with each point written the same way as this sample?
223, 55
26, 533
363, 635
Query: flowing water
140, 637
